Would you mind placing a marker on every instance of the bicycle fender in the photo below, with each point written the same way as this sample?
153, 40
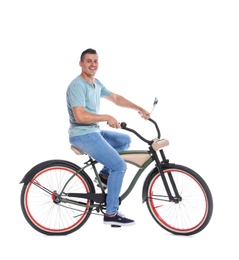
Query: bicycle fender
146, 183
150, 176
37, 168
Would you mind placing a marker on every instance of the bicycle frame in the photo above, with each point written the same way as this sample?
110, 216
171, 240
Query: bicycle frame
139, 158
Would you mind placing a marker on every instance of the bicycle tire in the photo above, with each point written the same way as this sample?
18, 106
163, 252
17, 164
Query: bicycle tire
187, 217
39, 205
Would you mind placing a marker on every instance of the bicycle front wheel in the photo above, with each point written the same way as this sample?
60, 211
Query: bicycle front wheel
46, 208
188, 216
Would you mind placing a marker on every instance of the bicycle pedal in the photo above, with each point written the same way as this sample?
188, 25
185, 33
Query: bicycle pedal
99, 187
115, 226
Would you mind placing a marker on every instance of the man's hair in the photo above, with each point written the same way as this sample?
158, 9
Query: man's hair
90, 51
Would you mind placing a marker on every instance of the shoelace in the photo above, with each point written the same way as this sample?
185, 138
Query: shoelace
120, 214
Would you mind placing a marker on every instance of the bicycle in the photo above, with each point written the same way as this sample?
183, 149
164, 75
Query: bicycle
58, 196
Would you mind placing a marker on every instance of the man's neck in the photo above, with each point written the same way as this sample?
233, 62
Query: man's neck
87, 78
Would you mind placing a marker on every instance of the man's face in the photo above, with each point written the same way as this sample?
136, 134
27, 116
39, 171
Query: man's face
90, 64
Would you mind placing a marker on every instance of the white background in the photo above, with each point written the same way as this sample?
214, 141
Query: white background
183, 52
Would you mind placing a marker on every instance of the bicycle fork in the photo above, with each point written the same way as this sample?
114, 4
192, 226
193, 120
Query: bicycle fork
177, 198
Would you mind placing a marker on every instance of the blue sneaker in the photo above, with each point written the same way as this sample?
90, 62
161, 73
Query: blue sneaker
118, 220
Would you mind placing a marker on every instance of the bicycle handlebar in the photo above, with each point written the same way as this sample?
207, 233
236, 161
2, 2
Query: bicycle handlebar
124, 126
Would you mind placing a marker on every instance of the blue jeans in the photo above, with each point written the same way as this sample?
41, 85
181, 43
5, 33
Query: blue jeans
104, 147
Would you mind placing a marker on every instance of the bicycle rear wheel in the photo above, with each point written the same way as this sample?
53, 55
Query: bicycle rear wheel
188, 216
46, 208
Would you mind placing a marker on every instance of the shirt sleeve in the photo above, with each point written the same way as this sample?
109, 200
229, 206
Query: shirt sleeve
77, 95
104, 91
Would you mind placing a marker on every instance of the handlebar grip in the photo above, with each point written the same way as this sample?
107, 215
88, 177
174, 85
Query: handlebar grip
123, 125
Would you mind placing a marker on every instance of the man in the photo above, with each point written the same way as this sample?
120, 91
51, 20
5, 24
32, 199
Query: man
83, 103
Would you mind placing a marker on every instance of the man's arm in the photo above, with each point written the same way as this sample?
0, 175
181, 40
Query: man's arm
123, 102
84, 117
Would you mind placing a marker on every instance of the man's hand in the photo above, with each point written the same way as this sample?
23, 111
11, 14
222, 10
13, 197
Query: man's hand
145, 114
112, 122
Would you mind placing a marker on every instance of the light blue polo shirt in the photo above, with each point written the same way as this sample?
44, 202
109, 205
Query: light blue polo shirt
81, 93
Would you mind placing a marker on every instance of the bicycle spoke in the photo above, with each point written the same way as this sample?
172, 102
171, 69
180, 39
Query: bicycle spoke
48, 211
186, 216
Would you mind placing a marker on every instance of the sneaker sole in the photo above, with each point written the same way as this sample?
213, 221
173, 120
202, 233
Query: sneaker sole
118, 224
103, 185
